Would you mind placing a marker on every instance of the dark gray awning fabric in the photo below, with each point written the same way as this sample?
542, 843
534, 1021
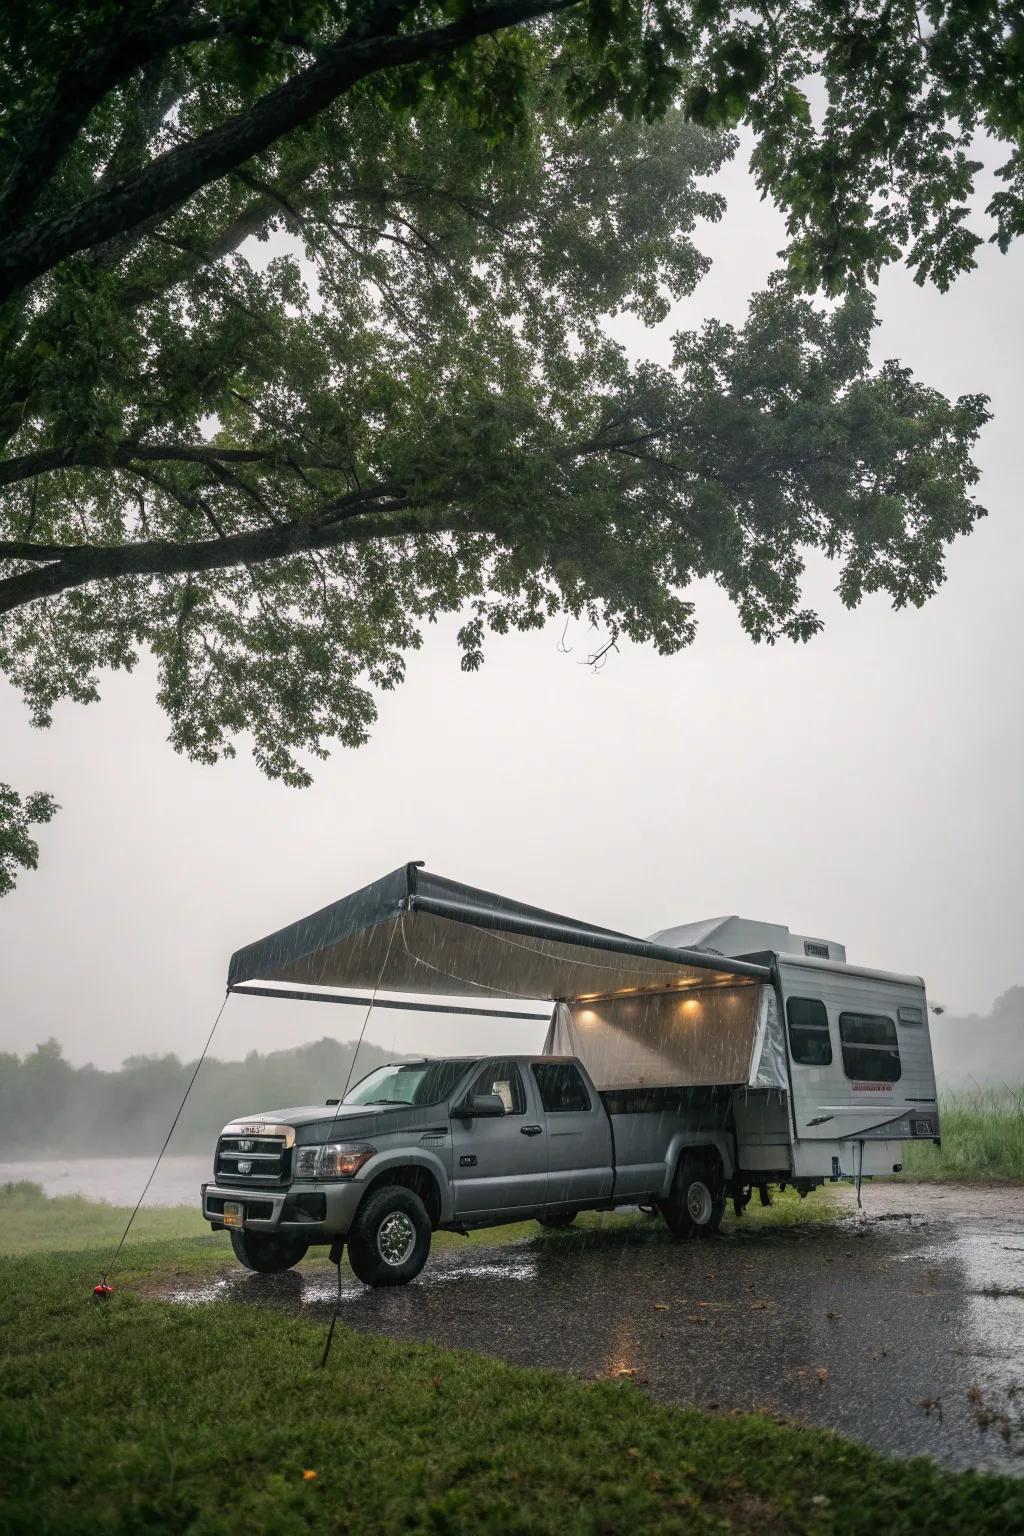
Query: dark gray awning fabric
417, 932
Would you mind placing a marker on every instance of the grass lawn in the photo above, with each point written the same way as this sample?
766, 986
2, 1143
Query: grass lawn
133, 1415
982, 1138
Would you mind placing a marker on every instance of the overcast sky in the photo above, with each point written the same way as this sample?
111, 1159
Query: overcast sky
864, 787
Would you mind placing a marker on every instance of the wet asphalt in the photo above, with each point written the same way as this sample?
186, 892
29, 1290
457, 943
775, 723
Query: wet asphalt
902, 1326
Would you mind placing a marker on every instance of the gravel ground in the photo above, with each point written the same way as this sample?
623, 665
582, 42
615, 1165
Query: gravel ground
902, 1325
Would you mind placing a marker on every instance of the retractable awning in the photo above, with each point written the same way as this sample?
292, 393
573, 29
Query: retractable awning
415, 932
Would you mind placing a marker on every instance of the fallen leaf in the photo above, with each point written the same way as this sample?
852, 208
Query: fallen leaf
308, 1475
633, 1451
437, 1383
661, 1306
822, 1375
833, 1317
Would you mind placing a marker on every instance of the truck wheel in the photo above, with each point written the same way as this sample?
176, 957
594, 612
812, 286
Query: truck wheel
389, 1240
696, 1201
557, 1221
267, 1253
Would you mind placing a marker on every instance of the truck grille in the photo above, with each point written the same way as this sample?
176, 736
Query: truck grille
253, 1160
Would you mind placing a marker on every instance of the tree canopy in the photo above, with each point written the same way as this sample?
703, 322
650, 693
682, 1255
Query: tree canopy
304, 332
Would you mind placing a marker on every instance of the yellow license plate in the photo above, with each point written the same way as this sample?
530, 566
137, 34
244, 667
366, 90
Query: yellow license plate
234, 1213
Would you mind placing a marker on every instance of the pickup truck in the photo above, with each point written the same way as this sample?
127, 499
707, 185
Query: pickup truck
455, 1143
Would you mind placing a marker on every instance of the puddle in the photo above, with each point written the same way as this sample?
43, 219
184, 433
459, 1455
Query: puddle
979, 1279
295, 1290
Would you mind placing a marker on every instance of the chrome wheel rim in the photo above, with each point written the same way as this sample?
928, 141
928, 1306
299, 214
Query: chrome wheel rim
396, 1238
699, 1203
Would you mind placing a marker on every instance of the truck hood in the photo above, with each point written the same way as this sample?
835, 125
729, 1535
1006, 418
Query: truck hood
316, 1122
303, 1114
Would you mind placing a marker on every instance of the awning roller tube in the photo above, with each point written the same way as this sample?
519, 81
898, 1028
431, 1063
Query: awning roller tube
641, 949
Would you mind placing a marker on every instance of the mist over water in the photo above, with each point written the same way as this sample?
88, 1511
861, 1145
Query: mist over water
116, 1180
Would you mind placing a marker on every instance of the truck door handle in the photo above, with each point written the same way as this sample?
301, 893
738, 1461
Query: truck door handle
529, 1130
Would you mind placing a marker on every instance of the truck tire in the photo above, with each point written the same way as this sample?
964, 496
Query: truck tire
267, 1253
557, 1221
389, 1240
696, 1201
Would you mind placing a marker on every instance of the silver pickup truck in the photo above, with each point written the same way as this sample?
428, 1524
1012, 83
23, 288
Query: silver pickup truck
450, 1144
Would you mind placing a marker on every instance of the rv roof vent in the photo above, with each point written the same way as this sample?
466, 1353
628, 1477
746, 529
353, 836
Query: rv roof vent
819, 951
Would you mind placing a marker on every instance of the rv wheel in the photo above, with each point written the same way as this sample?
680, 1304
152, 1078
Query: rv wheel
267, 1253
556, 1221
389, 1240
696, 1201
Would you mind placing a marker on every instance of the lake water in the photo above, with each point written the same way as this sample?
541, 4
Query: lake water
118, 1180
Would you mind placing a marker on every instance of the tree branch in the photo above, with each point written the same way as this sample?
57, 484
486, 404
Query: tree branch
174, 176
124, 455
136, 40
74, 565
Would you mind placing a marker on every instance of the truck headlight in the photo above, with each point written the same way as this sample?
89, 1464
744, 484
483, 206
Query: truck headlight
332, 1160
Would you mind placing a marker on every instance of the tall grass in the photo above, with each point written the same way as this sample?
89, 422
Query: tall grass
982, 1137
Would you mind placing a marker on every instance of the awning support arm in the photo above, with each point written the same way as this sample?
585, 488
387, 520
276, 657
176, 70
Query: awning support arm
297, 994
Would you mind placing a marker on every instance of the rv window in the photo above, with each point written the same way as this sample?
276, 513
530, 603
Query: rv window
810, 1043
561, 1087
502, 1078
870, 1049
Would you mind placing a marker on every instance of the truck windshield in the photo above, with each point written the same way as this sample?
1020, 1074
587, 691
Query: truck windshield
408, 1082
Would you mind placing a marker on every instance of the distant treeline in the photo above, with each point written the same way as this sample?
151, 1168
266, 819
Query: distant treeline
47, 1106
981, 1049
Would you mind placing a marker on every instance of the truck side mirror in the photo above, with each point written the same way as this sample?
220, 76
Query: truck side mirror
482, 1106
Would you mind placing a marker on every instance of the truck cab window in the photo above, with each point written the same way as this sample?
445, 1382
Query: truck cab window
502, 1078
871, 1051
561, 1087
810, 1043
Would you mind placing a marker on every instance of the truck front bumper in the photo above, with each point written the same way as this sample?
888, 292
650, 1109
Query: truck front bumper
317, 1212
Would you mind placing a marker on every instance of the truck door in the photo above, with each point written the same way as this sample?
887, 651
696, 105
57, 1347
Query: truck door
579, 1136
499, 1166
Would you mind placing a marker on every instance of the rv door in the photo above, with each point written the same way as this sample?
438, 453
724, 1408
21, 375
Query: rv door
858, 1048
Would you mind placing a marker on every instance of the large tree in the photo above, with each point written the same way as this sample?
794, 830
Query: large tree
304, 340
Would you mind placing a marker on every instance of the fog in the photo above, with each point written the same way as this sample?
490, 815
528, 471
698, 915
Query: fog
865, 787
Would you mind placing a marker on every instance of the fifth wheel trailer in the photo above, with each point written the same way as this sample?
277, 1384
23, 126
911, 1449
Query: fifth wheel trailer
775, 1063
